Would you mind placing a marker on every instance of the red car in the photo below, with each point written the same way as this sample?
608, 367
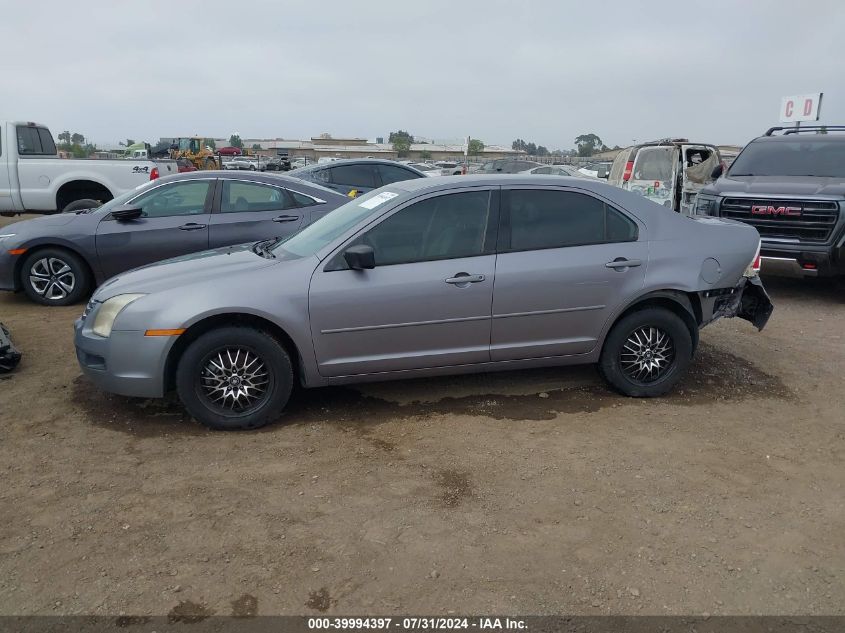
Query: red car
230, 151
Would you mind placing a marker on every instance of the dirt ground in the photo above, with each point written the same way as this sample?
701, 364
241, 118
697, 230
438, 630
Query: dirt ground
531, 492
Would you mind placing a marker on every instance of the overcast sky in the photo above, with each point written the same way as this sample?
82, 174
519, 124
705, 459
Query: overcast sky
545, 70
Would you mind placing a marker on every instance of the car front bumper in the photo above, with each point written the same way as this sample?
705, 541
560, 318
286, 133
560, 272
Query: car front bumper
127, 363
7, 270
803, 260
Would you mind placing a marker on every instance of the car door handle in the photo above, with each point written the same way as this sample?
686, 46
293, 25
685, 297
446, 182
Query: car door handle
465, 278
192, 226
621, 262
286, 218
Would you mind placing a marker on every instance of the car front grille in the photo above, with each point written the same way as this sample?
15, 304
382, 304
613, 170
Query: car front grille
811, 220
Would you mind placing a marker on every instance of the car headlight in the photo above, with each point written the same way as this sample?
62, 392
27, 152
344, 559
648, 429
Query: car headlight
104, 322
705, 205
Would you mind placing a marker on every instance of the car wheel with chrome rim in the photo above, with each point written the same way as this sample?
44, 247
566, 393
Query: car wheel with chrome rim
235, 378
55, 277
647, 352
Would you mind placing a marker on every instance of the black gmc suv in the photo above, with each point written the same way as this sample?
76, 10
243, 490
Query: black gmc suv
790, 185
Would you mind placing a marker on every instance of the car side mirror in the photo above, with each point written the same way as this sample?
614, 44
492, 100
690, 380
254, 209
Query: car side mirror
127, 213
717, 171
360, 257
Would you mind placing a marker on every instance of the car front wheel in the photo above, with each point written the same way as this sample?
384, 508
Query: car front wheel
55, 277
646, 353
235, 378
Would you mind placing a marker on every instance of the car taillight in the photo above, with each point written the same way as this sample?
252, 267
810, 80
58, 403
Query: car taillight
154, 173
754, 266
629, 168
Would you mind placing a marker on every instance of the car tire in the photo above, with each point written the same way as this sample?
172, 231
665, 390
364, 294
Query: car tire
84, 203
209, 367
646, 353
55, 277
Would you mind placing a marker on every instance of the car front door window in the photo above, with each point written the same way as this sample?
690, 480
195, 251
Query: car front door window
443, 227
354, 176
182, 198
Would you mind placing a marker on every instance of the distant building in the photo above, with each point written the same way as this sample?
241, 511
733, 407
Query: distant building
353, 147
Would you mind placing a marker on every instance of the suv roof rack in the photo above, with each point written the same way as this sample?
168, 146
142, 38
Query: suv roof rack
808, 128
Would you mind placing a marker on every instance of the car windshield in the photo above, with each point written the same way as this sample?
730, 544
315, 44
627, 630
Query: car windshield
825, 159
331, 226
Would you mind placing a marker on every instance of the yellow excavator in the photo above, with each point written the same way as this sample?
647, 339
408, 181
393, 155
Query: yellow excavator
196, 150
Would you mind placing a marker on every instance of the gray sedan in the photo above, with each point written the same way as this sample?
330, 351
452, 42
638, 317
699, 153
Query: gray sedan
57, 260
426, 277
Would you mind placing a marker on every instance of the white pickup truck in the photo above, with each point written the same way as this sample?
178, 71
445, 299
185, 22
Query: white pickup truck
34, 179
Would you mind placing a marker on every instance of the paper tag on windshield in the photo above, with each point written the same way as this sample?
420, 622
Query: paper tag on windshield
381, 198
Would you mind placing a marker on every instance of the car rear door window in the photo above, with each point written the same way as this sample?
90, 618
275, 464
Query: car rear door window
541, 219
390, 174
302, 200
354, 175
181, 198
443, 227
240, 197
35, 141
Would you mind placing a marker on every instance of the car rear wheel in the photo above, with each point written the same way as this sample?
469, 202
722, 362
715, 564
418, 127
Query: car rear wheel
646, 353
55, 277
235, 378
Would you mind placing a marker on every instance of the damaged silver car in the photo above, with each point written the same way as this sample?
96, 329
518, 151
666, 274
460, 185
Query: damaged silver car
427, 277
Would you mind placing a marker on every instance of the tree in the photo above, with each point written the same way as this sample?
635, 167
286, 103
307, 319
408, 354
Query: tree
519, 145
557, 152
64, 137
587, 144
235, 141
425, 155
256, 147
77, 139
401, 142
531, 149
542, 151
475, 147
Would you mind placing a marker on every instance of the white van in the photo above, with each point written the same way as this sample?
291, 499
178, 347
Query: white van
669, 172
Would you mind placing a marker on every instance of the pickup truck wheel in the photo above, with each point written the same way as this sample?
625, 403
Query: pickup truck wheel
55, 277
646, 353
235, 378
85, 203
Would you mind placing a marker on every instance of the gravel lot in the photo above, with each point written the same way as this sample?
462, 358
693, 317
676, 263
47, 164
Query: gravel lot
528, 492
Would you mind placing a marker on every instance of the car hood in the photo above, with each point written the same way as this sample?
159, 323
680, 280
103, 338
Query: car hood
46, 222
777, 185
217, 264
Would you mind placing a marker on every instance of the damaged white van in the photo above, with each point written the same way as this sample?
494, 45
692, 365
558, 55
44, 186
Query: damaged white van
670, 172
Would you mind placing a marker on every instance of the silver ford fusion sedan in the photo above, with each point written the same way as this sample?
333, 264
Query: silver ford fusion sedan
425, 277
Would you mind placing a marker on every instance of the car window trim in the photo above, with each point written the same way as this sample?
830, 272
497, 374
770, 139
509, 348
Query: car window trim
503, 242
493, 207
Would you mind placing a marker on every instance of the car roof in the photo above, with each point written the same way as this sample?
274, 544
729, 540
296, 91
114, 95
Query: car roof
355, 161
443, 183
804, 138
